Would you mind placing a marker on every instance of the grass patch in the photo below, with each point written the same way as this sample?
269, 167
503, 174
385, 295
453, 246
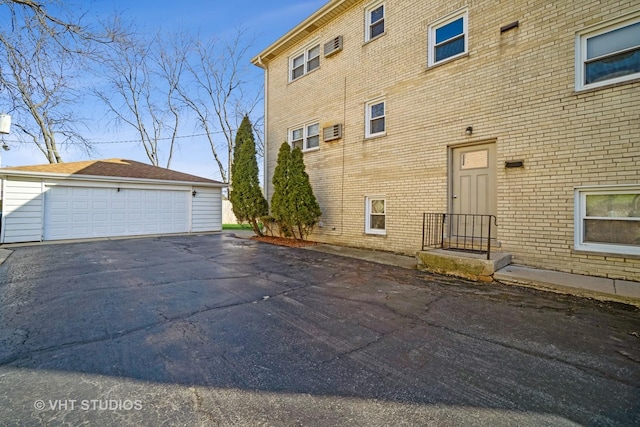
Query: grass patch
236, 227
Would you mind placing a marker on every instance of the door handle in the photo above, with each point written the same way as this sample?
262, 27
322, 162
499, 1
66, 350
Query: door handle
455, 196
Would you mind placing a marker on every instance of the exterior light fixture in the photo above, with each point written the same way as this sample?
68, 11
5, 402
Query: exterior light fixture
468, 130
5, 127
194, 193
5, 123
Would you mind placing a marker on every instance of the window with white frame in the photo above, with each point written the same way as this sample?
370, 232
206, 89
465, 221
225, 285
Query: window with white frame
608, 54
375, 118
374, 18
304, 62
306, 137
376, 215
608, 220
448, 38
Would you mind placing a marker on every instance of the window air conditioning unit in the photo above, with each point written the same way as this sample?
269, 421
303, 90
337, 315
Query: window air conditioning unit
332, 47
332, 133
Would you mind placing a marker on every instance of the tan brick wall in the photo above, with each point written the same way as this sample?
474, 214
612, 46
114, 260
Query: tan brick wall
515, 88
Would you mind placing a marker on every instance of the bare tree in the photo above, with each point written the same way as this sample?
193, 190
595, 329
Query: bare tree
141, 84
44, 58
170, 61
216, 93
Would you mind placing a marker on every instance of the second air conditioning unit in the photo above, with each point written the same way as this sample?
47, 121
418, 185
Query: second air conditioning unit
332, 133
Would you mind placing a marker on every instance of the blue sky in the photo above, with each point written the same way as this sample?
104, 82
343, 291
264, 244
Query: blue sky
264, 20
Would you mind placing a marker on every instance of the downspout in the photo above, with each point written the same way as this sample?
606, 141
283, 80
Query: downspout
266, 127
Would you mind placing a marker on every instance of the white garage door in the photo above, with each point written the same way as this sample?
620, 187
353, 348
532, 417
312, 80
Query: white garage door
81, 212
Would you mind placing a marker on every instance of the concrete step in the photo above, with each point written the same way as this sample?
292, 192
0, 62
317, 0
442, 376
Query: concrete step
469, 265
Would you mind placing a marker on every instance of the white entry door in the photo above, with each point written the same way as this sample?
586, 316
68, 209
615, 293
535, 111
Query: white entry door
473, 187
84, 212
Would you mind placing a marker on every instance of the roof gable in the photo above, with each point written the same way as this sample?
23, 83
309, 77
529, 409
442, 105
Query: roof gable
116, 168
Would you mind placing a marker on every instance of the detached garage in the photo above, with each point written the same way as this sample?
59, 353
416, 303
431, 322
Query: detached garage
105, 198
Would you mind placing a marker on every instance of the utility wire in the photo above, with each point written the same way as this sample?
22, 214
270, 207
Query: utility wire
127, 141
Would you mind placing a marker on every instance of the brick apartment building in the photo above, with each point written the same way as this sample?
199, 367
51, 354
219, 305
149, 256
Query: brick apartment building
529, 111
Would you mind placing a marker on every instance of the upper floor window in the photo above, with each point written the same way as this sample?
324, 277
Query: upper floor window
304, 62
375, 118
608, 54
608, 219
306, 137
448, 38
375, 21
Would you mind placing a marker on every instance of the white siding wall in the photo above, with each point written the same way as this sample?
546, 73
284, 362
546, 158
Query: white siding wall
228, 217
22, 211
206, 210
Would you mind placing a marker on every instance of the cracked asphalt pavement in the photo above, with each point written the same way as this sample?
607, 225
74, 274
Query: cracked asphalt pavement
216, 330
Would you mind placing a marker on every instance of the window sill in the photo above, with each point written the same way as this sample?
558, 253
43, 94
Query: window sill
375, 233
303, 76
587, 90
604, 253
366, 42
447, 61
375, 136
311, 150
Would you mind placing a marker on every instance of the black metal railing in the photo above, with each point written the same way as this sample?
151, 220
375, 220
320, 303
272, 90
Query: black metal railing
464, 232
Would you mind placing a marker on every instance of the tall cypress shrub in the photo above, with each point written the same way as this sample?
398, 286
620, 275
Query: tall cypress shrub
279, 209
247, 201
304, 210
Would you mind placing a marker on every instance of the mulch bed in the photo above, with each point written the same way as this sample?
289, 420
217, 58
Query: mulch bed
283, 241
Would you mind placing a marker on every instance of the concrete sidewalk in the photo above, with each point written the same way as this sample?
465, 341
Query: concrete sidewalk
554, 281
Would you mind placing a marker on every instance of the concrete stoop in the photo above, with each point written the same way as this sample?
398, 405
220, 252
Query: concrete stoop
462, 264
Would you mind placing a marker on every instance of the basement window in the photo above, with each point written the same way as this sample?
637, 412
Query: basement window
376, 215
607, 219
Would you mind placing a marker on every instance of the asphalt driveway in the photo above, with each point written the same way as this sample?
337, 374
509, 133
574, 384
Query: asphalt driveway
216, 330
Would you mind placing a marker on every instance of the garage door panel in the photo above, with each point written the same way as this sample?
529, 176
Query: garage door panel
80, 229
135, 228
102, 192
79, 191
59, 204
101, 229
79, 217
83, 212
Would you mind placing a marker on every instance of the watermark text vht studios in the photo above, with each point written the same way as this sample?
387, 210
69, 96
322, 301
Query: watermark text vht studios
88, 405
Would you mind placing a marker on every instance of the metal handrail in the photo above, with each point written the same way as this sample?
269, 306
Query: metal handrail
463, 232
